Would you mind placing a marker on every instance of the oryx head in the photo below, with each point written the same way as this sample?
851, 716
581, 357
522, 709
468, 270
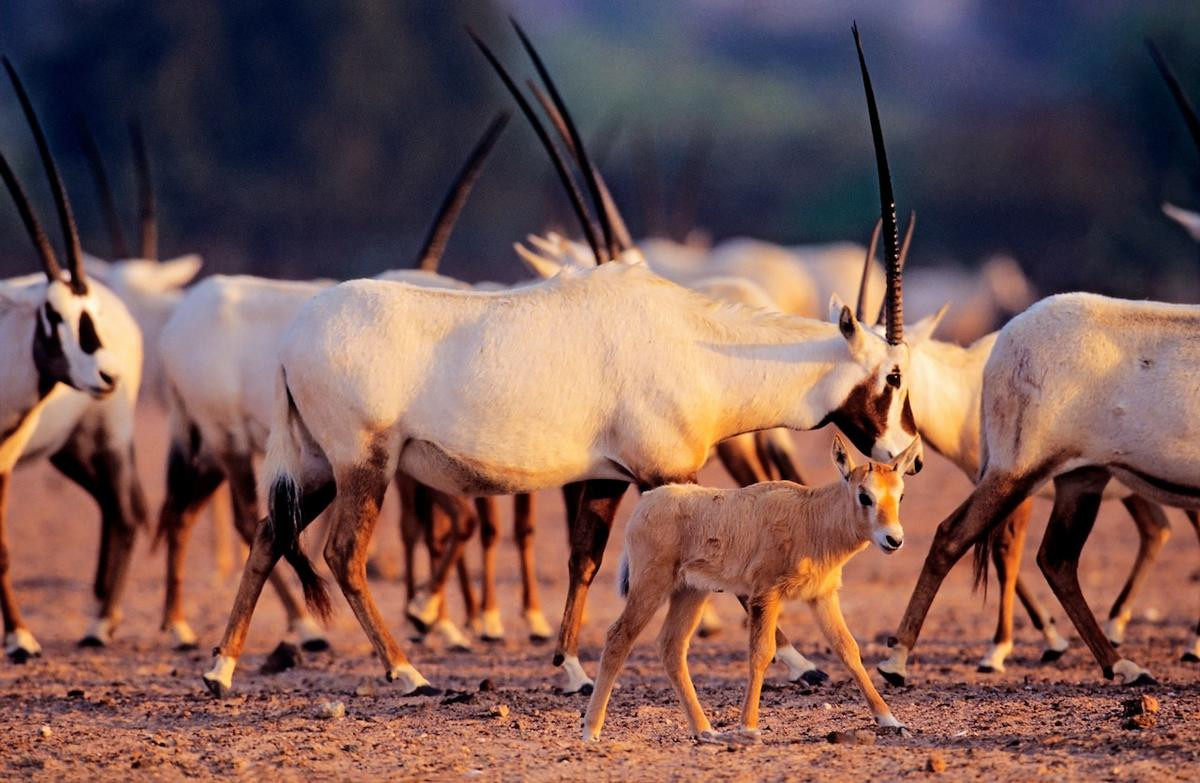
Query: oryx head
68, 341
876, 489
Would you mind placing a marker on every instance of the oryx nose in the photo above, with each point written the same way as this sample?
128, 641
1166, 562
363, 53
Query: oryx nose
893, 542
109, 380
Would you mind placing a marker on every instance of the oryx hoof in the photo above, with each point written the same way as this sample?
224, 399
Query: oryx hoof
316, 645
1050, 655
708, 633
1190, 657
218, 689
92, 641
186, 647
421, 626
986, 668
898, 680
21, 656
487, 638
424, 690
1145, 678
537, 638
814, 677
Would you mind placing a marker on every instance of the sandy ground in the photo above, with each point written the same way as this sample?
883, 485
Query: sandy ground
139, 705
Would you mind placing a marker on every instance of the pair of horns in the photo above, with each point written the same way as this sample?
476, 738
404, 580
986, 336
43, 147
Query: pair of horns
863, 284
1181, 99
612, 237
147, 221
894, 301
62, 203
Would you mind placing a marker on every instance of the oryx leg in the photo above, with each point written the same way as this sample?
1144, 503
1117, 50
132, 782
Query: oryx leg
428, 610
683, 615
647, 591
1007, 545
353, 516
221, 515
777, 453
239, 469
1053, 643
739, 457
828, 611
1153, 532
997, 495
1192, 654
764, 614
262, 559
523, 528
19, 643
800, 669
589, 535
1076, 501
191, 481
487, 509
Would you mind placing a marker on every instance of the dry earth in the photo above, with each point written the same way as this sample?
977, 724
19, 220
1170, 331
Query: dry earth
139, 706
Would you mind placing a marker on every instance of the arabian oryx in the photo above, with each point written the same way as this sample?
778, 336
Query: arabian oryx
1079, 389
213, 348
451, 388
771, 542
71, 358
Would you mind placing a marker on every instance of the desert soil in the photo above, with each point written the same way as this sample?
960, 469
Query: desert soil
138, 708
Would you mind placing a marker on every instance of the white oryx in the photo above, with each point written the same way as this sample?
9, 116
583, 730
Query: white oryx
70, 356
214, 347
599, 380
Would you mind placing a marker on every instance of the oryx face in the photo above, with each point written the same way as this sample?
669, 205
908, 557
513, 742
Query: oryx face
68, 346
876, 489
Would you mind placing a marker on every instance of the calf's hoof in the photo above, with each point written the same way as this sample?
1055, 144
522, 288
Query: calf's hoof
1050, 655
316, 645
814, 677
22, 656
1190, 657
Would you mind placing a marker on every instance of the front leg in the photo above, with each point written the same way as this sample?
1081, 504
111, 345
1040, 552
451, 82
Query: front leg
764, 614
828, 611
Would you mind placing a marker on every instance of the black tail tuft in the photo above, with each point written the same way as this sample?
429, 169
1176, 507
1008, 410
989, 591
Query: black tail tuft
284, 523
623, 577
983, 555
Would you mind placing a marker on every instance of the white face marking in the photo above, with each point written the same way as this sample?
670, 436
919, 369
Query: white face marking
93, 370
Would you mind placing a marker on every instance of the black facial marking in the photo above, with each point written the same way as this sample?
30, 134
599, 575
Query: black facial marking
89, 341
52, 317
865, 499
48, 356
863, 415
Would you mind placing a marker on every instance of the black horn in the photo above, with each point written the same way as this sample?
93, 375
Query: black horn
860, 310
589, 173
560, 165
104, 192
908, 235
1185, 104
40, 241
147, 220
452, 206
61, 201
887, 208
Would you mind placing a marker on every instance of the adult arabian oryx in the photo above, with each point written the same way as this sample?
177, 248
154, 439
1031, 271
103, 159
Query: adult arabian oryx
451, 387
70, 359
1079, 389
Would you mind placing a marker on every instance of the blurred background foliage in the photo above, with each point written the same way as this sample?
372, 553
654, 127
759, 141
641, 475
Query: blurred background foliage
315, 137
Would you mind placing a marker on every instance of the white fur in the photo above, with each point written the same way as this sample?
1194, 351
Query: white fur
797, 665
222, 671
21, 639
408, 677
536, 622
576, 677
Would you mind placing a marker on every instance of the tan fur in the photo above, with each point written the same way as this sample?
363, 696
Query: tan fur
770, 542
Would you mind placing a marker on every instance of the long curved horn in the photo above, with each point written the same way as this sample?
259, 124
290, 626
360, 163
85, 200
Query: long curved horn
61, 201
560, 165
887, 209
452, 205
147, 220
104, 193
607, 205
40, 241
589, 173
908, 235
860, 310
1185, 104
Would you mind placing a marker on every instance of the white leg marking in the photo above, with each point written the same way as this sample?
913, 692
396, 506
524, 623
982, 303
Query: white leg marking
993, 660
1193, 653
888, 721
577, 678
538, 627
183, 634
710, 621
222, 671
20, 639
449, 633
101, 630
1115, 628
1128, 672
307, 629
1053, 640
797, 665
408, 677
425, 607
896, 664
493, 626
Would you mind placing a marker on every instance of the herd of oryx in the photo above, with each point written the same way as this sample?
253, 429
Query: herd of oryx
624, 364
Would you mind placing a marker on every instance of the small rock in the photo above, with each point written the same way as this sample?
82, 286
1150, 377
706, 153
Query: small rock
1145, 705
285, 656
365, 688
333, 710
860, 737
458, 697
46, 732
75, 693
486, 686
500, 711
1139, 722
936, 763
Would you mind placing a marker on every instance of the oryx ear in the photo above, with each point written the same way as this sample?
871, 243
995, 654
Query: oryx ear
922, 330
841, 457
848, 325
1184, 217
540, 265
909, 460
177, 272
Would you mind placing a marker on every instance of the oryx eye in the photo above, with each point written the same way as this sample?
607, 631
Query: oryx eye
52, 316
893, 379
865, 499
89, 341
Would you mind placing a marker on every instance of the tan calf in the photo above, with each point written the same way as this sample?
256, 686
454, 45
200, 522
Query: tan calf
769, 542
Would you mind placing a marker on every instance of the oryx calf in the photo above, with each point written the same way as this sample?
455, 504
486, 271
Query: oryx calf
771, 541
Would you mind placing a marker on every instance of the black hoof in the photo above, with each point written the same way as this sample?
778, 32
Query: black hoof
186, 647
814, 677
892, 678
1190, 657
1114, 644
491, 639
217, 689
425, 690
708, 633
316, 645
22, 656
1050, 656
587, 689
91, 641
460, 648
421, 626
1144, 679
535, 639
985, 668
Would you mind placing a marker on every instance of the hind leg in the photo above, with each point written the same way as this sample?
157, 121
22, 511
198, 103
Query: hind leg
488, 511
1006, 556
221, 516
523, 529
1076, 501
1192, 655
19, 643
239, 467
1153, 531
352, 521
683, 615
448, 523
